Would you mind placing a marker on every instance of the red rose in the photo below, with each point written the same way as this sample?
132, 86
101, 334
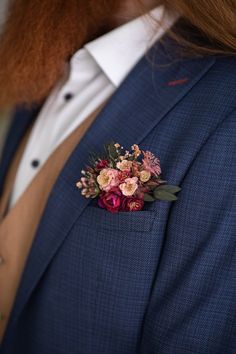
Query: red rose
111, 200
132, 204
102, 164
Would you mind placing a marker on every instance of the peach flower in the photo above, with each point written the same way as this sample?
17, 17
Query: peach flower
129, 187
145, 176
124, 165
108, 178
137, 151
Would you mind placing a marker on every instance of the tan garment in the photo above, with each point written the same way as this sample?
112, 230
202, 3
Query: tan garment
19, 225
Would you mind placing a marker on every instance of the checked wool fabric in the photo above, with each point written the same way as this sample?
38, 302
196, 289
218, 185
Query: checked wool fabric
159, 281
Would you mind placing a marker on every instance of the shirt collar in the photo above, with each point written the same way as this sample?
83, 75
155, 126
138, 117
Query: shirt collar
118, 51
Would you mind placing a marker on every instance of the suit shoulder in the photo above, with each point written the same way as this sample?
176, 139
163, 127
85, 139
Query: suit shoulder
223, 74
217, 88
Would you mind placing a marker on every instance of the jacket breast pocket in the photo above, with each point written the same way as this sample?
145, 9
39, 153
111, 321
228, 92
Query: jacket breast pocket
128, 236
138, 221
120, 248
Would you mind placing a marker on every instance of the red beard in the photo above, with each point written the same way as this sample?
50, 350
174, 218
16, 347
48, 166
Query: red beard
39, 37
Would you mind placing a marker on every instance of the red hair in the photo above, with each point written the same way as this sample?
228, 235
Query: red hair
38, 38
40, 35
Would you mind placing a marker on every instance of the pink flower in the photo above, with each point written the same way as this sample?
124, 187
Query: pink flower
84, 181
102, 164
111, 200
108, 178
132, 204
151, 163
88, 186
129, 186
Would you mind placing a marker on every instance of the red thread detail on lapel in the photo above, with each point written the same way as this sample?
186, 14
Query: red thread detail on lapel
178, 82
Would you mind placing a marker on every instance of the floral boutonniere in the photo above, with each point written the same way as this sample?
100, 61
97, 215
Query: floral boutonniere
124, 181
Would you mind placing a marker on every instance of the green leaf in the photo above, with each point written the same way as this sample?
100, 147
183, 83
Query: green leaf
163, 195
112, 151
169, 188
148, 198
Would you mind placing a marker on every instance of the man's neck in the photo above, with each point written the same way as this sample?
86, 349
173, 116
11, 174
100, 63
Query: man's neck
131, 9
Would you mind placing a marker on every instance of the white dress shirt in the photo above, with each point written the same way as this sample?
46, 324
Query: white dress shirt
93, 74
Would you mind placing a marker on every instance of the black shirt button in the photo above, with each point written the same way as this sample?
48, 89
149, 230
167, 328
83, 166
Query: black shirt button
68, 96
35, 163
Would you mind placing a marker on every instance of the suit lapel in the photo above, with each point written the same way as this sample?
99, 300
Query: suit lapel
146, 96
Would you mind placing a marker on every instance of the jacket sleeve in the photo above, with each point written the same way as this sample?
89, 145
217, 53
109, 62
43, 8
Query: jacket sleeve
192, 307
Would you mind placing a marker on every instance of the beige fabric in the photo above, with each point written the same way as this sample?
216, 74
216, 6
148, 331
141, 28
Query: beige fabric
19, 225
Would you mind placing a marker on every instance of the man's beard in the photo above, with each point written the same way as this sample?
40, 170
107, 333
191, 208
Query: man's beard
39, 37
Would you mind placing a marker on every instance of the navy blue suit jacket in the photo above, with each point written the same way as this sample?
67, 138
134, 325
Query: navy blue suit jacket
158, 281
